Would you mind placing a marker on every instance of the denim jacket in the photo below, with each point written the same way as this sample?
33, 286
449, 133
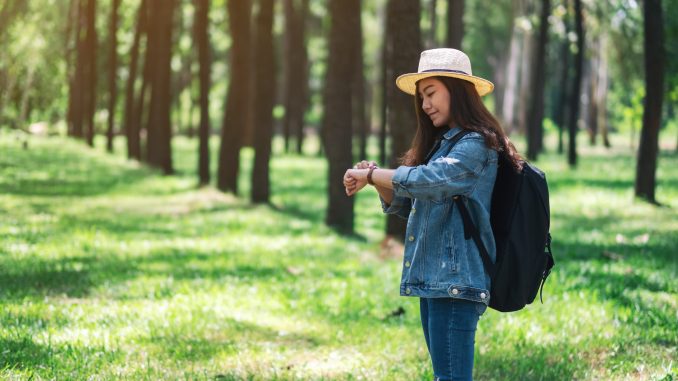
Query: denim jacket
439, 261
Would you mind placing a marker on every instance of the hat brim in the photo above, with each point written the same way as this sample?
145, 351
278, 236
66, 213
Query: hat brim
408, 82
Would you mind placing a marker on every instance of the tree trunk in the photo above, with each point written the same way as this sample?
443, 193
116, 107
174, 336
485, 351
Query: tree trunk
601, 90
433, 36
200, 27
359, 107
345, 16
654, 93
265, 95
131, 124
112, 75
508, 105
525, 84
235, 115
576, 88
91, 72
404, 55
562, 105
159, 125
296, 62
535, 127
386, 75
455, 23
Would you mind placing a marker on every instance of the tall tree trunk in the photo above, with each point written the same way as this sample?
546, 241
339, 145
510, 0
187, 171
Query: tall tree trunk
601, 90
265, 90
296, 62
562, 105
576, 88
455, 23
131, 124
432, 35
525, 84
655, 55
508, 106
386, 75
235, 115
404, 56
159, 124
535, 128
91, 72
345, 15
112, 75
360, 119
200, 26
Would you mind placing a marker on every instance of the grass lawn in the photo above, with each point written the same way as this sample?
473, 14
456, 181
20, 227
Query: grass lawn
109, 270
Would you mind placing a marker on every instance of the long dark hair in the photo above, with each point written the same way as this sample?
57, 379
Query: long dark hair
468, 112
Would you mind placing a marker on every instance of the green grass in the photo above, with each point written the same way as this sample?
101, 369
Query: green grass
109, 270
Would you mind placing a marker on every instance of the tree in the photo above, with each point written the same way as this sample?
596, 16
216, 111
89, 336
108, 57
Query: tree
654, 95
112, 74
83, 85
455, 23
296, 71
265, 96
131, 120
200, 27
360, 107
576, 87
159, 51
235, 115
90, 49
345, 16
535, 129
403, 57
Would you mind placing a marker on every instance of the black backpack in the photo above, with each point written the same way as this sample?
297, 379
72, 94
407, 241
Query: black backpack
520, 219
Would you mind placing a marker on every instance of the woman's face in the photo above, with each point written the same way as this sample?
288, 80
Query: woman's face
435, 101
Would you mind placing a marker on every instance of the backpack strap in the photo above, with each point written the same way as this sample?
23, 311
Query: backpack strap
471, 231
438, 141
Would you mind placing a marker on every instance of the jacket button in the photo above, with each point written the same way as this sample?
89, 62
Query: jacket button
411, 238
408, 291
455, 291
407, 264
482, 295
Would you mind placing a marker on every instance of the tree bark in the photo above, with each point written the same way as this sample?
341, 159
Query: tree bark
360, 119
159, 125
91, 72
576, 87
455, 23
655, 56
404, 56
112, 75
200, 26
535, 128
131, 125
345, 16
296, 62
265, 90
235, 115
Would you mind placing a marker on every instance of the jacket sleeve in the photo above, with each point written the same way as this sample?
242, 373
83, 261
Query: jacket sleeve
447, 176
400, 206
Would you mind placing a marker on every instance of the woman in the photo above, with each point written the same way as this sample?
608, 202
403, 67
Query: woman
440, 266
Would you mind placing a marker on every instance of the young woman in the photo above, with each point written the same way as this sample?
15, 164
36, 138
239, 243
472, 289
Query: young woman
440, 266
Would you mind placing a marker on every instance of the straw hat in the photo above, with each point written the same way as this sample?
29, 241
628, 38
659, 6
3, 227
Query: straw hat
445, 63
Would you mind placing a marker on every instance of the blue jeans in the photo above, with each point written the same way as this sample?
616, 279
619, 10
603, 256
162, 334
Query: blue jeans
450, 330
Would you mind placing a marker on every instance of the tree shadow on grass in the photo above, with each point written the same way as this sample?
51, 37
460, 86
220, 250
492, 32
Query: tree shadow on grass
53, 171
529, 362
232, 336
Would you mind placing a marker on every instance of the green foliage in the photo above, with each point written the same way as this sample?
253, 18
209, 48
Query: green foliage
109, 270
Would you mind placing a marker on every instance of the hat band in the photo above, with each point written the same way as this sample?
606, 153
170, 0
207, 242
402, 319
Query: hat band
447, 70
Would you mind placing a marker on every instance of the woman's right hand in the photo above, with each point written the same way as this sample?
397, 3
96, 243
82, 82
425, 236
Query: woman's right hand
365, 164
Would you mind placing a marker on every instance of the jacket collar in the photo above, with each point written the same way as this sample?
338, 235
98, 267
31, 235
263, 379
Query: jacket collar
452, 132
